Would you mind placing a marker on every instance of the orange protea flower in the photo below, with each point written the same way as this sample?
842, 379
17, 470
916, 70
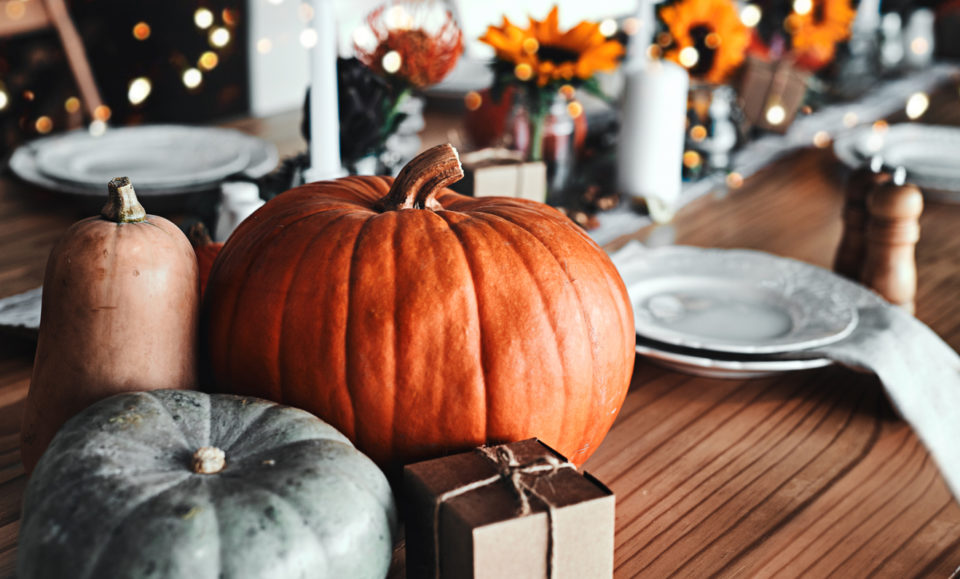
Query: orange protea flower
816, 32
708, 37
543, 52
409, 43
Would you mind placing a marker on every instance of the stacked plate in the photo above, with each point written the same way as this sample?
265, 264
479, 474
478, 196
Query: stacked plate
161, 160
929, 153
732, 313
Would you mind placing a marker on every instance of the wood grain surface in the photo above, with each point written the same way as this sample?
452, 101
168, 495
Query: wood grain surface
802, 474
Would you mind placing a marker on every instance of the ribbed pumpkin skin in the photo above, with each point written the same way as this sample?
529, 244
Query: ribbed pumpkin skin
418, 332
115, 496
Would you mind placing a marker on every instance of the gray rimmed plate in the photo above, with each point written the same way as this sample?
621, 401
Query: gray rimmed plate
734, 301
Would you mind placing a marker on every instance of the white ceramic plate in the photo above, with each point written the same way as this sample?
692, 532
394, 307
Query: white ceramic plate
153, 157
724, 366
929, 153
261, 155
735, 301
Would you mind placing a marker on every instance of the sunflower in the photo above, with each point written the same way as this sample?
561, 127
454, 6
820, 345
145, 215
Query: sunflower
708, 37
542, 52
815, 32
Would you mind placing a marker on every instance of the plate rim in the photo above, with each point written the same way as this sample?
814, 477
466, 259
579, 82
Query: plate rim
845, 149
264, 157
710, 344
83, 140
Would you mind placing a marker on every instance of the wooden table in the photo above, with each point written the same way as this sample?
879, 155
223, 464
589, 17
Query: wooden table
809, 473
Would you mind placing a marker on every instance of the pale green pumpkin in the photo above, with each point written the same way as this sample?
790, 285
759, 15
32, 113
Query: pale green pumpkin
122, 492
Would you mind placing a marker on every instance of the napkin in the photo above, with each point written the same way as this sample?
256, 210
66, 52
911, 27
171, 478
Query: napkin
919, 371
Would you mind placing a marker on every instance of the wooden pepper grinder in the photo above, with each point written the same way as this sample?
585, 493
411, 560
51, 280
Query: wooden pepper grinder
852, 250
893, 230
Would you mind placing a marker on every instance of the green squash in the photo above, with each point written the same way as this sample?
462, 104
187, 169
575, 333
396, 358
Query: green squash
136, 486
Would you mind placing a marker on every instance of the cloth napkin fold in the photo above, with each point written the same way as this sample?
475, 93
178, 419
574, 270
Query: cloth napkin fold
920, 372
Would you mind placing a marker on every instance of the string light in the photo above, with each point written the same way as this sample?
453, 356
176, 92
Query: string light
608, 27
16, 10
568, 91
575, 109
530, 45
523, 71
391, 62
802, 6
698, 133
139, 90
219, 37
689, 57
203, 18
472, 100
776, 114
917, 104
141, 31
691, 159
850, 120
102, 113
712, 41
264, 45
28, 95
919, 46
229, 16
631, 26
4, 99
208, 60
308, 38
881, 126
821, 139
750, 15
192, 78
734, 180
44, 125
71, 105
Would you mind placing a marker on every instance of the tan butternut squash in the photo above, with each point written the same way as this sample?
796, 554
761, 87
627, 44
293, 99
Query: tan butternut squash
119, 314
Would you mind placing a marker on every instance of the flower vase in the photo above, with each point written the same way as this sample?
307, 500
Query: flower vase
556, 141
404, 144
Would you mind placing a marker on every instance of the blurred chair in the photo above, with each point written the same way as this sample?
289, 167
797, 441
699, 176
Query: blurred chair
23, 16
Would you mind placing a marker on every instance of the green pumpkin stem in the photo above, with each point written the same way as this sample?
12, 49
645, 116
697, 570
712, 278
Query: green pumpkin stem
422, 178
122, 205
208, 460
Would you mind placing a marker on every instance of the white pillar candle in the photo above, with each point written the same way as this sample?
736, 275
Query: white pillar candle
653, 123
324, 120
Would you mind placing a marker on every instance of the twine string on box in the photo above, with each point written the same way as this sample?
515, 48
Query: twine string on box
510, 471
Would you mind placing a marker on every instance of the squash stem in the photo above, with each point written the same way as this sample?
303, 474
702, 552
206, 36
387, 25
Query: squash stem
122, 205
422, 178
208, 460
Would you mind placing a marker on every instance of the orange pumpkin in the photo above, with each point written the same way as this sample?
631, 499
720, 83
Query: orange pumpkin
207, 250
420, 322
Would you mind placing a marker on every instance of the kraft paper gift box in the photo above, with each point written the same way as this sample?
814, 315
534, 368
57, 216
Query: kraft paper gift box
517, 510
766, 85
502, 173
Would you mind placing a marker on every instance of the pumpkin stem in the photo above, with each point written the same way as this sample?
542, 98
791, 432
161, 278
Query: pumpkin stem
422, 178
199, 235
208, 460
122, 205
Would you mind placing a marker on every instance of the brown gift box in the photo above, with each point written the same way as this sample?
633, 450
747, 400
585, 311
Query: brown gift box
765, 84
502, 173
517, 510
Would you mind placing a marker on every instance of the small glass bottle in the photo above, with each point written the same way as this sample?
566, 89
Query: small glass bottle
558, 152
